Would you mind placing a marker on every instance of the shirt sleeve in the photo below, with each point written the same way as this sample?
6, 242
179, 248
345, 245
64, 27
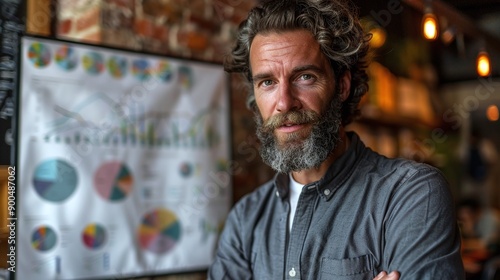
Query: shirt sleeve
422, 239
231, 262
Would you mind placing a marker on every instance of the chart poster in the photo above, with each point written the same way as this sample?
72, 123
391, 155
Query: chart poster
123, 162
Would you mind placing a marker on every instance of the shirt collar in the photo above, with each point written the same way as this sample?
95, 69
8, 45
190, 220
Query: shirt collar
337, 173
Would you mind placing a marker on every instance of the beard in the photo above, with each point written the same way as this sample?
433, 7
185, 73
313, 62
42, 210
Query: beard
297, 152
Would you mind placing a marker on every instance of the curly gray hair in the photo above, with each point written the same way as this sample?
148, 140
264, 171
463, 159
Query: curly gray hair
335, 26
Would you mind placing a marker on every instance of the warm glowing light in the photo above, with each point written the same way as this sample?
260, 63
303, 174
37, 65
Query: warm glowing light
492, 113
378, 37
483, 64
430, 26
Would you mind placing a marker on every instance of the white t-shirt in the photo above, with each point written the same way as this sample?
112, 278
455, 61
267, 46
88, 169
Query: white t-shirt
295, 190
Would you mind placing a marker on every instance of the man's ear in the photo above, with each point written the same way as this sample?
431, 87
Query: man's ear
345, 85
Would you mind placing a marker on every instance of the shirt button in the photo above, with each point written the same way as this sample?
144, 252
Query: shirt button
292, 272
326, 191
277, 193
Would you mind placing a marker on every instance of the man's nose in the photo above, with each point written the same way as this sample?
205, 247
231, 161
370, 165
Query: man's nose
287, 99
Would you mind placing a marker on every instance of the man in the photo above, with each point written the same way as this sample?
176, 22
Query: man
335, 209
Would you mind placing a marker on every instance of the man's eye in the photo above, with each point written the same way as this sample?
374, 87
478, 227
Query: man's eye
267, 83
306, 77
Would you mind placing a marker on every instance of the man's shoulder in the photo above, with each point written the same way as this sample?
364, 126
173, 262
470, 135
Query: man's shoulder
400, 171
409, 166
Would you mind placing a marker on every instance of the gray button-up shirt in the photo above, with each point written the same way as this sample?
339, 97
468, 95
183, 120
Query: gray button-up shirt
367, 214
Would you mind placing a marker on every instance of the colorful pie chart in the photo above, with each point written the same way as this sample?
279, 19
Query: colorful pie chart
93, 63
43, 239
159, 231
141, 69
39, 55
164, 71
94, 236
66, 58
55, 180
113, 181
117, 66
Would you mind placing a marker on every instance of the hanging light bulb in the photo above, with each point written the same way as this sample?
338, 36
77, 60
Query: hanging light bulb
483, 64
378, 33
492, 113
430, 27
378, 37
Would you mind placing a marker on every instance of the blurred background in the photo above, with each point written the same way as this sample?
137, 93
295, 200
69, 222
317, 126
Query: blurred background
434, 88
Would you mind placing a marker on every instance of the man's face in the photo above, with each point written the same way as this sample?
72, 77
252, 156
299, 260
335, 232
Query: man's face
298, 103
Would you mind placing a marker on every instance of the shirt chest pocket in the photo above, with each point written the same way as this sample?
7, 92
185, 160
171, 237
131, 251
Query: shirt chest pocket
352, 268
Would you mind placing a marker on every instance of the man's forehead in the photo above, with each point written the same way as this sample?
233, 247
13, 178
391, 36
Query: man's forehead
293, 48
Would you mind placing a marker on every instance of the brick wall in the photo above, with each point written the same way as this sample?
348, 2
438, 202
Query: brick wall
197, 29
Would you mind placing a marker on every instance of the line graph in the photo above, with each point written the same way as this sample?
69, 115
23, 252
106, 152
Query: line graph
79, 125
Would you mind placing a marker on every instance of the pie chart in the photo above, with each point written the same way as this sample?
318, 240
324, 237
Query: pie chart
94, 236
141, 69
43, 239
117, 66
39, 55
164, 71
93, 63
55, 180
113, 181
159, 232
66, 58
